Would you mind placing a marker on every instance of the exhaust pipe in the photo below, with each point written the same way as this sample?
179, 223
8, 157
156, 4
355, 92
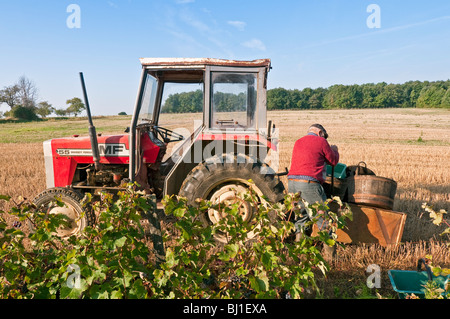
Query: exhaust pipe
92, 132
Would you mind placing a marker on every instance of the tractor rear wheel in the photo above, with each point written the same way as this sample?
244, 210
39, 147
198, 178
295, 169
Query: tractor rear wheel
221, 177
78, 218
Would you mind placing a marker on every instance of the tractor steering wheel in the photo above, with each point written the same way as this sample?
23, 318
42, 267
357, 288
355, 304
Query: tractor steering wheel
168, 135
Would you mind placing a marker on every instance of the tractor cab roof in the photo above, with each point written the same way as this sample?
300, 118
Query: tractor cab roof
192, 69
199, 63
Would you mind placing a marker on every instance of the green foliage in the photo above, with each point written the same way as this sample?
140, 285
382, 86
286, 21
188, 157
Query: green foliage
229, 102
445, 102
369, 95
76, 106
191, 102
343, 96
271, 265
431, 96
437, 217
281, 99
60, 112
23, 113
44, 109
10, 95
113, 259
186, 102
105, 261
432, 290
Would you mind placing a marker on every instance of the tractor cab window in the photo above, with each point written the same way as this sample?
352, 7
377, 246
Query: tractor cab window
148, 99
182, 98
233, 100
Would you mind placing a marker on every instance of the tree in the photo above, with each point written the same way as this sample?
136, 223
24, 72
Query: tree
315, 101
21, 98
10, 95
370, 91
278, 99
60, 112
27, 92
184, 102
301, 98
23, 113
76, 106
390, 96
445, 103
431, 95
343, 97
44, 109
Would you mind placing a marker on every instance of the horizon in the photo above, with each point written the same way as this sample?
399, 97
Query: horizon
311, 45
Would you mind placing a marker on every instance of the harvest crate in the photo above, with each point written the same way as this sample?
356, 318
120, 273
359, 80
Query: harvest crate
407, 282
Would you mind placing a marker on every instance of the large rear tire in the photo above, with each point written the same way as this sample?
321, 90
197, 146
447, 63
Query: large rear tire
219, 179
78, 218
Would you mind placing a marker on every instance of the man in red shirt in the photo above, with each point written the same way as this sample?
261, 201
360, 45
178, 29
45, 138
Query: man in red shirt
310, 155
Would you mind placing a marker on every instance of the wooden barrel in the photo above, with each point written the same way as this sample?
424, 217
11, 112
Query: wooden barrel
339, 188
372, 190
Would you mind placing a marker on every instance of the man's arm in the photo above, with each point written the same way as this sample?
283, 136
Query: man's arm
331, 154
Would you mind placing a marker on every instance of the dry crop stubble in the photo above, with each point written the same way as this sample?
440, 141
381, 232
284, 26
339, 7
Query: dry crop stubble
22, 169
411, 146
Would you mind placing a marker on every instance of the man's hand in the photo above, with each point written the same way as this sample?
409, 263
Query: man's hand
334, 148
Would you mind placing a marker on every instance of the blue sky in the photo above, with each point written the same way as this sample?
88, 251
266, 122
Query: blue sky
311, 43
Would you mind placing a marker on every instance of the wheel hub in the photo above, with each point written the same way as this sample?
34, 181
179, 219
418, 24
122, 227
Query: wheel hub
226, 195
73, 220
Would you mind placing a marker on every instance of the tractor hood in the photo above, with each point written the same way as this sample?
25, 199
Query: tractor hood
80, 146
63, 155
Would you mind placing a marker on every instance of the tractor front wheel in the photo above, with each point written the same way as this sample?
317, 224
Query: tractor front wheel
221, 177
77, 218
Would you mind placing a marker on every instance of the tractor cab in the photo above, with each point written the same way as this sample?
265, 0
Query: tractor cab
230, 97
234, 92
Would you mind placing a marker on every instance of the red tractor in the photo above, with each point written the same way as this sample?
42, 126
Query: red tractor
233, 144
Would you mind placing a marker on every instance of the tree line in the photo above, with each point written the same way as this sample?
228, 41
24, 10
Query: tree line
421, 94
23, 100
189, 102
380, 95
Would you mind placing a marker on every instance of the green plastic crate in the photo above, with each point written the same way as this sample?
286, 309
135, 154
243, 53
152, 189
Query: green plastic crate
340, 171
407, 282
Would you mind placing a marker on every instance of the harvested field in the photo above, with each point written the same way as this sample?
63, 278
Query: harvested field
411, 146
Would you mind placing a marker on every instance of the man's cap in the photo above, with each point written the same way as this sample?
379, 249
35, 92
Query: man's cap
320, 127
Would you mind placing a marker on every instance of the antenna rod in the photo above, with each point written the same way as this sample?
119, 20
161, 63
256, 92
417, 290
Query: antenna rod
92, 132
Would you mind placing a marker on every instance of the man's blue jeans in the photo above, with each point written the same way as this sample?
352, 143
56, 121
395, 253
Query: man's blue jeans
310, 192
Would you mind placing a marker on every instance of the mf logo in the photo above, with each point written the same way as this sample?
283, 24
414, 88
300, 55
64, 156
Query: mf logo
107, 149
112, 150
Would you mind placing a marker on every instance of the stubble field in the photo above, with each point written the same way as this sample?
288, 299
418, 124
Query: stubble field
411, 146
